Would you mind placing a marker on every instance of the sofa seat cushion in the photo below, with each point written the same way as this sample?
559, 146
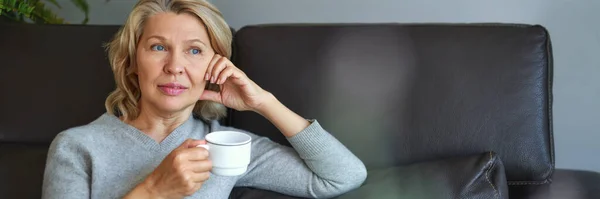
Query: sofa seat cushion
475, 176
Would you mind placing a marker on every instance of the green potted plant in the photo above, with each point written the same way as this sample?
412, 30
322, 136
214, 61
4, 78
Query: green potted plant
36, 11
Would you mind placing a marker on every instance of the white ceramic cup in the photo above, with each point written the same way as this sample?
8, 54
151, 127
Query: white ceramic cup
229, 152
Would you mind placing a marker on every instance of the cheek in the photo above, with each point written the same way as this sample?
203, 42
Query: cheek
198, 70
148, 67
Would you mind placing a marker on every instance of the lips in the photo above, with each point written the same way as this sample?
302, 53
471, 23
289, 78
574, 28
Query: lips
172, 89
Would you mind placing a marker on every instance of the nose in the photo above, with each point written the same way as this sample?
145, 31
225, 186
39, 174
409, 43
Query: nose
174, 65
174, 69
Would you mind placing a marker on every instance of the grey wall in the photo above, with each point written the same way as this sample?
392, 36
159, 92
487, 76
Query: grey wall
573, 25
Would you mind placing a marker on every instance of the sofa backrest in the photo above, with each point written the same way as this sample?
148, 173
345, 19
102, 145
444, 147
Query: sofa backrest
52, 77
394, 94
403, 93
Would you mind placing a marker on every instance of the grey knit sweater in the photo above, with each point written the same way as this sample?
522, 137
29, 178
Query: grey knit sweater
108, 158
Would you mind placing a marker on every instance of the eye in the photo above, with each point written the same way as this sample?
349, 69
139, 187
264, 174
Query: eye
195, 51
158, 47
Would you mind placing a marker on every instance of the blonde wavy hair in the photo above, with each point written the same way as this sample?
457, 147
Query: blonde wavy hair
123, 101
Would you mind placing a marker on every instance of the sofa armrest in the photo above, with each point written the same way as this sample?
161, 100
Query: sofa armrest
571, 184
475, 176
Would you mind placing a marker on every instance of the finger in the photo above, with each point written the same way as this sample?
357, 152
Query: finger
191, 143
180, 152
191, 187
239, 78
234, 73
201, 166
200, 177
196, 154
185, 144
217, 68
195, 143
211, 96
212, 63
225, 74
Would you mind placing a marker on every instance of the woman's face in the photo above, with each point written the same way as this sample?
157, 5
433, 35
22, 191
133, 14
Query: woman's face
172, 56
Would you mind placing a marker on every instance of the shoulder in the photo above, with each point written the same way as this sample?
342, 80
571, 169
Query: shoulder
70, 146
72, 150
78, 137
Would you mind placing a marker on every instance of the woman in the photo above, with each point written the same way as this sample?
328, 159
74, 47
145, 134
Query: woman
163, 58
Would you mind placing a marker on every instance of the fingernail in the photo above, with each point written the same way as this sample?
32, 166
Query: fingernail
212, 80
207, 76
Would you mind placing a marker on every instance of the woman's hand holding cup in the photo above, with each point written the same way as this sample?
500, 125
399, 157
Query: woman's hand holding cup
181, 173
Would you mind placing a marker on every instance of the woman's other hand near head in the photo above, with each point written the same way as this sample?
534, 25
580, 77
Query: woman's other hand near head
180, 174
237, 90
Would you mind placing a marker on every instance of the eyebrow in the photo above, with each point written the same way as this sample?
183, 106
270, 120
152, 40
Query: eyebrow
187, 41
196, 40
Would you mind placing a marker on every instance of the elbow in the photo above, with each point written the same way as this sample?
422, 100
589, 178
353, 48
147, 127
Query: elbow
363, 175
358, 177
352, 179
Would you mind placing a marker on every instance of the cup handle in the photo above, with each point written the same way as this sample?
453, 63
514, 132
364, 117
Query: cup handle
204, 146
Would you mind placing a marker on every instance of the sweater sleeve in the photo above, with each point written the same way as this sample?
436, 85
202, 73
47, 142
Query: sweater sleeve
66, 173
318, 165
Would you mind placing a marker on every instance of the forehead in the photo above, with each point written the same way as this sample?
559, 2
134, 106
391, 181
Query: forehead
175, 26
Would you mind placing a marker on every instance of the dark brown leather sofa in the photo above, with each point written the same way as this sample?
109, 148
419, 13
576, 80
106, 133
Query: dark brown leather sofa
433, 110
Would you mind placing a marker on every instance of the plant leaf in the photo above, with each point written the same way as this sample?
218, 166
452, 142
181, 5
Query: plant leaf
84, 7
12, 4
35, 10
41, 14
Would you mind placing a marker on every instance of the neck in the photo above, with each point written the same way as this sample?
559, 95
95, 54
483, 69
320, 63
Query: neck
158, 125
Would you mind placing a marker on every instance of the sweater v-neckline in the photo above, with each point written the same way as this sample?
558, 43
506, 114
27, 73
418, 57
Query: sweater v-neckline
174, 139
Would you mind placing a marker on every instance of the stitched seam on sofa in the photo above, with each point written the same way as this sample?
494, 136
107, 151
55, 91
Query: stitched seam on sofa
550, 72
487, 175
549, 76
529, 182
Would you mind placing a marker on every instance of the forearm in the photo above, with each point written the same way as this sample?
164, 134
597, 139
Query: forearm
317, 166
287, 121
336, 168
329, 168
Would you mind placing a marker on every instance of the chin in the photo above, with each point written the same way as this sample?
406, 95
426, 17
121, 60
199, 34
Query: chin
173, 105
